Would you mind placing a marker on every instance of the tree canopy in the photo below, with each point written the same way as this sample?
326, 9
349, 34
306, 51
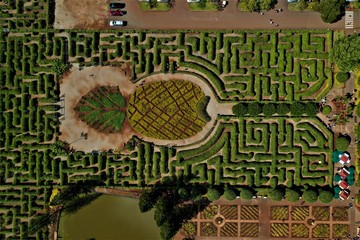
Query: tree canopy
246, 194
326, 196
229, 194
276, 195
331, 10
257, 5
346, 53
310, 196
292, 195
342, 143
213, 194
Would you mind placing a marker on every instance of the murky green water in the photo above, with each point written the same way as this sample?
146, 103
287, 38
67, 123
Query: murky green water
108, 218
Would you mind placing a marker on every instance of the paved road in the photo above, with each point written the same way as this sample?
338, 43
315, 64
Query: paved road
180, 17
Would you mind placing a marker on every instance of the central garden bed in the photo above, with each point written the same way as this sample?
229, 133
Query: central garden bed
168, 110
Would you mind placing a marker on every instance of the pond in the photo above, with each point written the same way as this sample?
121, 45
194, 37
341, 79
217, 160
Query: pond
109, 217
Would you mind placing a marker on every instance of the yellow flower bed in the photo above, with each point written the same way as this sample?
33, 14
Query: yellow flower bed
166, 110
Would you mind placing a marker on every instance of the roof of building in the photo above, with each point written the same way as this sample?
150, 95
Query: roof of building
344, 194
343, 184
344, 158
344, 173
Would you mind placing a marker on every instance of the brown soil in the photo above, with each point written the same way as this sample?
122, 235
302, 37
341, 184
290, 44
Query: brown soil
121, 192
77, 84
80, 14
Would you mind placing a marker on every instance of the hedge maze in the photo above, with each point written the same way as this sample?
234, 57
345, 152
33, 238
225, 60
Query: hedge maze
255, 152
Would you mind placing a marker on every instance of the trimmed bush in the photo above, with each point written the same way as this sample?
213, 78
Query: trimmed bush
326, 196
292, 195
283, 109
297, 109
246, 194
240, 109
326, 110
269, 109
342, 143
229, 194
310, 196
213, 194
342, 77
276, 195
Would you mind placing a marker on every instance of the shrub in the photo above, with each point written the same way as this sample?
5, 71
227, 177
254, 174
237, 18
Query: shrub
240, 109
283, 109
213, 194
229, 194
311, 109
292, 195
326, 196
246, 194
326, 110
255, 109
309, 196
276, 195
342, 143
297, 109
269, 109
342, 77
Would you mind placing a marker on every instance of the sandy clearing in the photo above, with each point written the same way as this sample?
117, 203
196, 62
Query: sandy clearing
79, 82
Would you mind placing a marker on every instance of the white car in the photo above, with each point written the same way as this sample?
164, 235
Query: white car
193, 1
117, 23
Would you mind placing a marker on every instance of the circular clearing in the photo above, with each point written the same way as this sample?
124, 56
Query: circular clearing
168, 110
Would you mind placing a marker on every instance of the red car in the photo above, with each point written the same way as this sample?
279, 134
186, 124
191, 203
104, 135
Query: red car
113, 12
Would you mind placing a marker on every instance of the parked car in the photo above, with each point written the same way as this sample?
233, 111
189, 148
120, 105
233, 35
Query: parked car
114, 12
115, 23
116, 5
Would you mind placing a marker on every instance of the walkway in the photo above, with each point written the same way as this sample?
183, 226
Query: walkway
180, 17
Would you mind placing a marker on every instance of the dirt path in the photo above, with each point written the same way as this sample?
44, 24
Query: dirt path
92, 14
78, 83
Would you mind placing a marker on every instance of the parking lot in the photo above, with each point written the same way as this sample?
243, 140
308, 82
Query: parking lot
82, 15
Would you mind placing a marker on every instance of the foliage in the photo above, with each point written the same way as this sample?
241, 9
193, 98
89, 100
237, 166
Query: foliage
177, 119
246, 194
201, 109
331, 10
240, 109
342, 76
310, 196
257, 5
297, 108
342, 143
269, 109
326, 110
326, 196
346, 51
292, 195
171, 208
60, 67
204, 5
276, 194
213, 194
229, 194
283, 109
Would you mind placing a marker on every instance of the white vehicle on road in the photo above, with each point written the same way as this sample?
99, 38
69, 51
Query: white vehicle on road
115, 23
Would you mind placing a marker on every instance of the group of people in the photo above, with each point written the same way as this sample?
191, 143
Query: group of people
270, 20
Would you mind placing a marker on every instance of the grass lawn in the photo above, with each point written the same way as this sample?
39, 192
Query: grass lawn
145, 6
204, 6
296, 6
